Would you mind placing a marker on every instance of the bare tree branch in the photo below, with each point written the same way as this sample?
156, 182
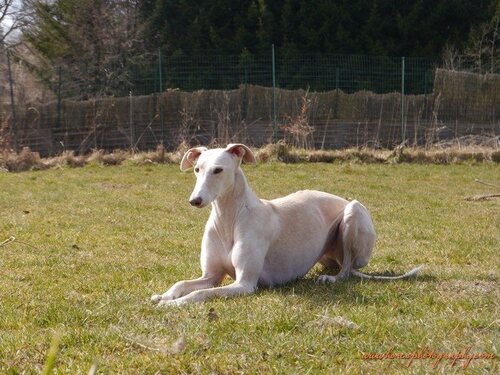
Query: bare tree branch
12, 19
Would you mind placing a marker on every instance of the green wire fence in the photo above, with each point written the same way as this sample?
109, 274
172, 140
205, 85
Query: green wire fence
310, 100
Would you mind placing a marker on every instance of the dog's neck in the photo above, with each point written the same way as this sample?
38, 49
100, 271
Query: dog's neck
237, 197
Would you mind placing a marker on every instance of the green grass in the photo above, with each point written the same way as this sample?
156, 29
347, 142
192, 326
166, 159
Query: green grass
94, 243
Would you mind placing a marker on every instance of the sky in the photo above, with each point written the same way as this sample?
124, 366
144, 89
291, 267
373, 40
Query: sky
7, 21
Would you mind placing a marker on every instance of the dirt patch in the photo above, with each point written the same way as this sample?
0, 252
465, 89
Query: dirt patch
469, 287
112, 186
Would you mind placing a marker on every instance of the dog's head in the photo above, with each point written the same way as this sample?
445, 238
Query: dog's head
215, 170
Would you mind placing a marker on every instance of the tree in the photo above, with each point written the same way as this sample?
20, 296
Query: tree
95, 44
225, 26
483, 42
383, 27
106, 47
12, 19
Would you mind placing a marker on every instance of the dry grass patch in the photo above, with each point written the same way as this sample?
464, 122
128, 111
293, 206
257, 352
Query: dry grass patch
67, 158
461, 287
116, 157
23, 161
451, 154
362, 155
159, 156
447, 156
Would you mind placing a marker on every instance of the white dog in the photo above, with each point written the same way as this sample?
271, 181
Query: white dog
268, 243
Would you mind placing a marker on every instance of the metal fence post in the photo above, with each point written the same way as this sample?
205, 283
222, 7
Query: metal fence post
245, 94
13, 129
131, 124
425, 93
337, 74
58, 122
275, 130
403, 127
425, 82
160, 98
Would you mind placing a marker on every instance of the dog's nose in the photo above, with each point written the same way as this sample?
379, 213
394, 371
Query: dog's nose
196, 202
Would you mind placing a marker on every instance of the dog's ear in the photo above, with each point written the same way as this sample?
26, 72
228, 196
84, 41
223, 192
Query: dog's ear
190, 157
242, 152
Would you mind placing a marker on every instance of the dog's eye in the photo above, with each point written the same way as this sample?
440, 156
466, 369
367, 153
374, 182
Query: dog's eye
217, 170
197, 169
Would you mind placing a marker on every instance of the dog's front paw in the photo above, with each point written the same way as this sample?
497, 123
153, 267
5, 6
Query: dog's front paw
325, 279
155, 298
169, 302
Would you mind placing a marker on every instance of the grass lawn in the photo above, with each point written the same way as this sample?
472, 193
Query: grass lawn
93, 244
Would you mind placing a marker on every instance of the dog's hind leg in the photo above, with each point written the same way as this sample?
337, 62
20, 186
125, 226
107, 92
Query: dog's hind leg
354, 241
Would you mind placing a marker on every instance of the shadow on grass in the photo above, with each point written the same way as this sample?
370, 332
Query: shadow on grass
346, 292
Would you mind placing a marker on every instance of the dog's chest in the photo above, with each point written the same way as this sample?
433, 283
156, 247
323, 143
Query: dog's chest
220, 243
226, 253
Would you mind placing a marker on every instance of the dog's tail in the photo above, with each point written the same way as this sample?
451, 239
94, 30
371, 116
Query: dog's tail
411, 273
